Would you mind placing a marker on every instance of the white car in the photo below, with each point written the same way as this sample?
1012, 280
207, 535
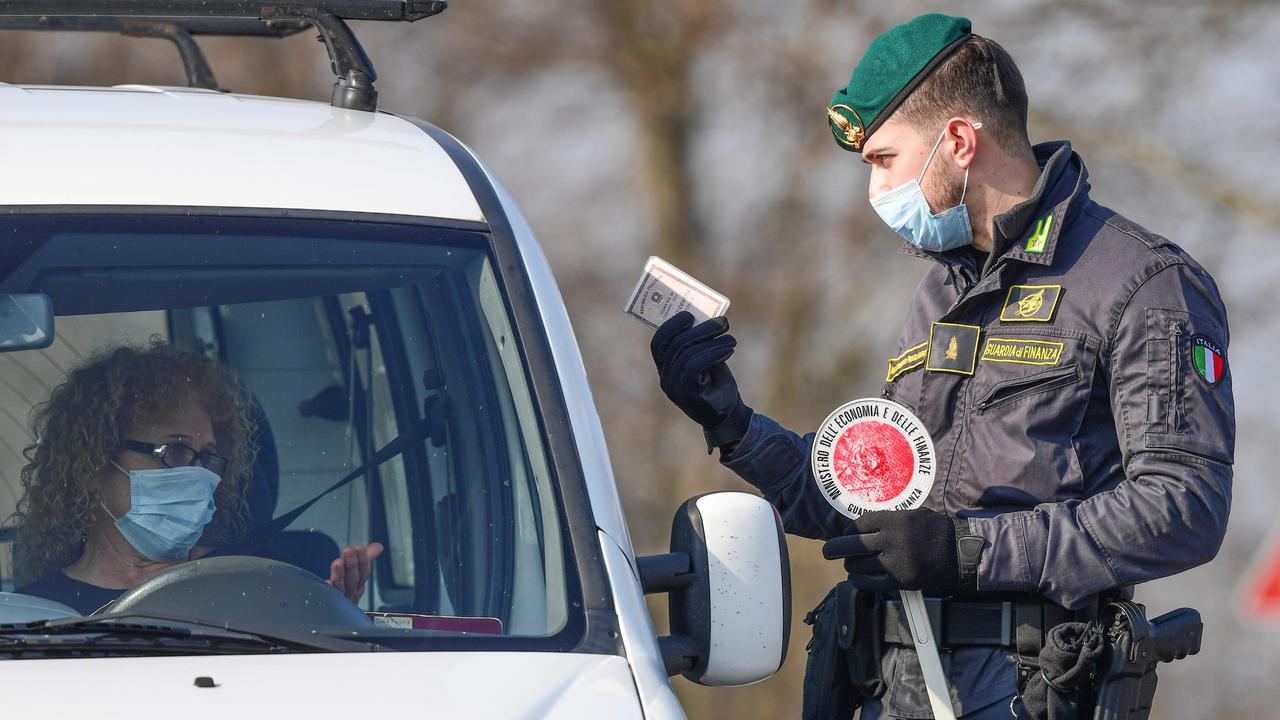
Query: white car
413, 373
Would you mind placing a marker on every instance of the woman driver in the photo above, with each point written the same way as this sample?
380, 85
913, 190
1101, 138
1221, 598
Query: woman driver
141, 463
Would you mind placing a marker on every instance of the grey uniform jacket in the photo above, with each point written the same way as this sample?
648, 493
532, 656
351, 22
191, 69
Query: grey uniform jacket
1077, 391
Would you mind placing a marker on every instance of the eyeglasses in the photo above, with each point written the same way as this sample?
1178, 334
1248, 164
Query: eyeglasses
178, 455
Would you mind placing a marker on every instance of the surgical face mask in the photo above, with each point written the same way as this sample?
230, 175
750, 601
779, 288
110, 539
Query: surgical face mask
168, 509
906, 211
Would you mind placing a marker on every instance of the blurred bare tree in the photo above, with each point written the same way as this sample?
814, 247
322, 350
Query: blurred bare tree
695, 130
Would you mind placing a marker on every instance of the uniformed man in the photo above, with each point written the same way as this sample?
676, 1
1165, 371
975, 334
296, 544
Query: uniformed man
1070, 365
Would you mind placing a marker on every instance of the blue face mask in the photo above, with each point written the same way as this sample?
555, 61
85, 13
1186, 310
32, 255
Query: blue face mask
906, 211
168, 510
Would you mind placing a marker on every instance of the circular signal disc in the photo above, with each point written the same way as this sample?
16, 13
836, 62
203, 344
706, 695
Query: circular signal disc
873, 454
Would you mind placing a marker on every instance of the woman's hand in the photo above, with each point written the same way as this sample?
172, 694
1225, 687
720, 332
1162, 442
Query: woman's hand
350, 571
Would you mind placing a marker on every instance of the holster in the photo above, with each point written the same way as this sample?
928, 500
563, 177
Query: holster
1135, 645
1104, 669
843, 667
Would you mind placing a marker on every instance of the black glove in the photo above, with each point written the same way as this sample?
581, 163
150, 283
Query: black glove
905, 550
693, 374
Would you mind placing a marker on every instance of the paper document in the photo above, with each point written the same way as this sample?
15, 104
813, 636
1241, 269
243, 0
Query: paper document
664, 290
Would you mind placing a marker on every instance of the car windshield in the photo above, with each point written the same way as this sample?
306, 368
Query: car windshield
376, 353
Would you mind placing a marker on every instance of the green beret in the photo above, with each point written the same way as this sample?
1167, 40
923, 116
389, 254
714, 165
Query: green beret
897, 61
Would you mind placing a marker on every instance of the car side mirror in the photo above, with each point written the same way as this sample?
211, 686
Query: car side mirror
26, 322
729, 585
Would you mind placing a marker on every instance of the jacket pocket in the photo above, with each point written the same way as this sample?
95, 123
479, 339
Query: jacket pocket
1189, 406
1029, 398
1166, 329
1018, 388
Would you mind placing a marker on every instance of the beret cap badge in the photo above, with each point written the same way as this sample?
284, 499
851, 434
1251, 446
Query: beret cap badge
846, 129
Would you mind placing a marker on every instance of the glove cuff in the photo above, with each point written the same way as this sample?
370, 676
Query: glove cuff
731, 430
969, 554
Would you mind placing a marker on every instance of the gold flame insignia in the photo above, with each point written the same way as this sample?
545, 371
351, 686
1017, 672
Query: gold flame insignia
846, 132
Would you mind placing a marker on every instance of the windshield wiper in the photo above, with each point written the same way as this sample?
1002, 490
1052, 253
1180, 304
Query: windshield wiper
160, 634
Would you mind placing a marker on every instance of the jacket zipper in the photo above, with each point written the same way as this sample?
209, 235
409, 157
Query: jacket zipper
1042, 383
1176, 364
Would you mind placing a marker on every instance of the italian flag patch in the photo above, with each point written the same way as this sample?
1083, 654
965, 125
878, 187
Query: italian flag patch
1208, 360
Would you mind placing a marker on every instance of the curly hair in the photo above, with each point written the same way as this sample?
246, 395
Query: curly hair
79, 429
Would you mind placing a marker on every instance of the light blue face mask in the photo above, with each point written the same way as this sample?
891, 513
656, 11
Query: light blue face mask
168, 509
906, 211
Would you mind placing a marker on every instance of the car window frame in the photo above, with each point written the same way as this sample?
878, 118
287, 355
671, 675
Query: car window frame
592, 625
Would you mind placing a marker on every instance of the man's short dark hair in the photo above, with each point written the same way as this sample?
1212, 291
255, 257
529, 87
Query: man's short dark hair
980, 80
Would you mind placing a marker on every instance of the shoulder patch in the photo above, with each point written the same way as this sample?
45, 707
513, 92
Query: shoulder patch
1031, 303
1208, 360
953, 348
910, 359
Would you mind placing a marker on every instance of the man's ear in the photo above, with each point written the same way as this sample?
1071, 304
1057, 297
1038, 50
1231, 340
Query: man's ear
962, 140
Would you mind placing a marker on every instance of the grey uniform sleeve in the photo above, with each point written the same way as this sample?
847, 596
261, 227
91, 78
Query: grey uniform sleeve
776, 461
1175, 421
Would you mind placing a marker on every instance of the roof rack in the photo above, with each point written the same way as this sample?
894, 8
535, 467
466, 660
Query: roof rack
180, 20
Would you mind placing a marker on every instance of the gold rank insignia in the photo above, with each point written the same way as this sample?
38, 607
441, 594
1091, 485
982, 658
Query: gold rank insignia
953, 348
847, 129
1031, 303
1039, 237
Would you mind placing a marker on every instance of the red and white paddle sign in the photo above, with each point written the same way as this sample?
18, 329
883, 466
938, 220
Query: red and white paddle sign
873, 454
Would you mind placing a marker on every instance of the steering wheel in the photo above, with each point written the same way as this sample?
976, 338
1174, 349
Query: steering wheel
238, 589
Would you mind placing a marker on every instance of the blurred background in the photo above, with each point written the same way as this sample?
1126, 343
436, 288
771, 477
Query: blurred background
696, 130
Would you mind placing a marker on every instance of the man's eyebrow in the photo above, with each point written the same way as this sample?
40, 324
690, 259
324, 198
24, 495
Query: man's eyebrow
872, 154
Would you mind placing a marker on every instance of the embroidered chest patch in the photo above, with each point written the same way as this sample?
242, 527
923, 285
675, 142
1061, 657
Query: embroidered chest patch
953, 348
1023, 352
1031, 303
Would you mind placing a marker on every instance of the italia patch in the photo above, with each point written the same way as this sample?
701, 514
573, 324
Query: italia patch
1208, 360
910, 359
1023, 352
1031, 303
953, 348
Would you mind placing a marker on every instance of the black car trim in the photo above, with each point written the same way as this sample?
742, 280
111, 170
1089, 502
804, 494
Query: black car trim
603, 634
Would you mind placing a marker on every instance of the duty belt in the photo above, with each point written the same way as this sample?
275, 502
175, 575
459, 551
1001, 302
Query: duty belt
1011, 624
